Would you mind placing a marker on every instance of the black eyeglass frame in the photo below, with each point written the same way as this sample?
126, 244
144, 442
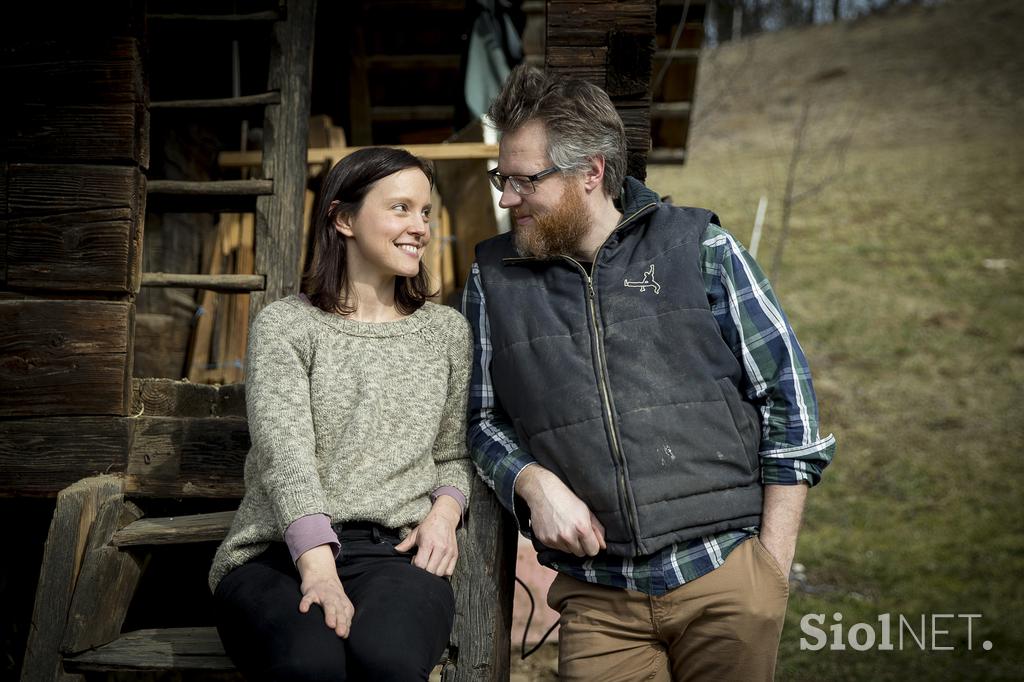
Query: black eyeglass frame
498, 180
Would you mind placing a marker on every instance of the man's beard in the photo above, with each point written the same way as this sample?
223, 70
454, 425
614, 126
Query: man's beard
558, 232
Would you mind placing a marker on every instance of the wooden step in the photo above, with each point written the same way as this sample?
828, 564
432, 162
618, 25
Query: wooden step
211, 196
667, 155
175, 530
232, 284
670, 109
210, 188
680, 55
243, 102
267, 17
156, 649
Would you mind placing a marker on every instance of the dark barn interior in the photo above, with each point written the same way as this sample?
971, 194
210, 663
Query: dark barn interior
134, 249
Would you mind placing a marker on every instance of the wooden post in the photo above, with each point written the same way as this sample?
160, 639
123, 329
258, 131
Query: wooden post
610, 44
77, 509
286, 127
481, 641
106, 583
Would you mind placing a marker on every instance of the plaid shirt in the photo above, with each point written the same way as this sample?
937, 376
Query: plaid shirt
775, 377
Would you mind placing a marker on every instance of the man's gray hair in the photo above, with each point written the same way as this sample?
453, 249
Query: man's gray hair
580, 120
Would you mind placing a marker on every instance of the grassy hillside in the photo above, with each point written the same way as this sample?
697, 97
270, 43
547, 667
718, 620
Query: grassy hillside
903, 279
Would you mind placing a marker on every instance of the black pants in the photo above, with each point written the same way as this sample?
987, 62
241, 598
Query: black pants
403, 616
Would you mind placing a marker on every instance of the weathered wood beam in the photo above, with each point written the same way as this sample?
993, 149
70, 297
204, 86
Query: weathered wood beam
231, 103
44, 456
210, 188
77, 508
65, 357
480, 643
194, 196
170, 398
586, 24
223, 283
46, 189
175, 530
447, 151
81, 251
681, 55
671, 110
101, 70
72, 227
162, 456
4, 171
667, 155
191, 457
76, 134
610, 44
266, 17
106, 583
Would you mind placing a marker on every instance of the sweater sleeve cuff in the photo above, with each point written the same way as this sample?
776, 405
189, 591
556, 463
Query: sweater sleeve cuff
454, 493
307, 532
450, 491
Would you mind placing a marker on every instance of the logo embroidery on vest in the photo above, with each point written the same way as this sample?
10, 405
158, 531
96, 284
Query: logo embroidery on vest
647, 281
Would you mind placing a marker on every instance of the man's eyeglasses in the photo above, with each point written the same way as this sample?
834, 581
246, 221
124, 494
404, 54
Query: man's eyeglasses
521, 184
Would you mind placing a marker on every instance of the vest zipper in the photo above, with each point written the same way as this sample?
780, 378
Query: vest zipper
606, 393
606, 401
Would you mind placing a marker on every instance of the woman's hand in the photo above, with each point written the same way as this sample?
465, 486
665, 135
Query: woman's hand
434, 538
321, 585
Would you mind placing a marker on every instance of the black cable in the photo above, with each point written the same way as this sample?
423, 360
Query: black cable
523, 653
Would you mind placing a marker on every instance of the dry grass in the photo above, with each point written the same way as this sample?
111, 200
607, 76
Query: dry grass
903, 280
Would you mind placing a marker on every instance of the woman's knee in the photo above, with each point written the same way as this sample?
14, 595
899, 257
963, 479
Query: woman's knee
392, 664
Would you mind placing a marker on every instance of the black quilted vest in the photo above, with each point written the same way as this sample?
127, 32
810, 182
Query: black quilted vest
618, 380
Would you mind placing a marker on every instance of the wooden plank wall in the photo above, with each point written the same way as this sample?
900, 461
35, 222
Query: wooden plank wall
73, 150
610, 44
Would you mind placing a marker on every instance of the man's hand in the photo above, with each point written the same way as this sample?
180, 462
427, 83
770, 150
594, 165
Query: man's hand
437, 550
780, 522
559, 519
321, 585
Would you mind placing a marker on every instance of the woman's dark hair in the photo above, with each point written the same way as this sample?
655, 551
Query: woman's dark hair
325, 282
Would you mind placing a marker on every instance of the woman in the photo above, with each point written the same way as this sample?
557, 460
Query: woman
336, 564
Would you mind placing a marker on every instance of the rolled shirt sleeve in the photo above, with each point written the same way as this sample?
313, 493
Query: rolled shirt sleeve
492, 440
776, 376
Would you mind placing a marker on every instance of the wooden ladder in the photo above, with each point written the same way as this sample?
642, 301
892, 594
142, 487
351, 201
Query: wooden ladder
191, 442
278, 193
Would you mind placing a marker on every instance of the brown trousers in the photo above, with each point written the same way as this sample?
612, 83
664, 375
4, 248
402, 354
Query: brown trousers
724, 625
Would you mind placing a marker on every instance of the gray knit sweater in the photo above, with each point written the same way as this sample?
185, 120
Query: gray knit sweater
355, 420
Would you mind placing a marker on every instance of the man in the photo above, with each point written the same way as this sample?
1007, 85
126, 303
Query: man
638, 400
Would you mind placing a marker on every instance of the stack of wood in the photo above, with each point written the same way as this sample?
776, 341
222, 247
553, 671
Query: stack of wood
216, 350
